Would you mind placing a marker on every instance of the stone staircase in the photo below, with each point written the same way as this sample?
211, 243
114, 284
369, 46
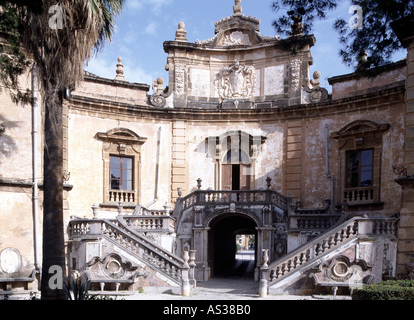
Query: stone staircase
121, 254
356, 252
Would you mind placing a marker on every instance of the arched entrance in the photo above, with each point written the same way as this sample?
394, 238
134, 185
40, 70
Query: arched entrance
222, 247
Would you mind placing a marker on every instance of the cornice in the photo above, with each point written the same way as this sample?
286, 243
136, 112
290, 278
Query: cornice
377, 99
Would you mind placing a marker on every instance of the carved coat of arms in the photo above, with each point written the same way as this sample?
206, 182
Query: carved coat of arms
236, 82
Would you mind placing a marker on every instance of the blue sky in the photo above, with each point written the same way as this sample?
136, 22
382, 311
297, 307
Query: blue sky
144, 25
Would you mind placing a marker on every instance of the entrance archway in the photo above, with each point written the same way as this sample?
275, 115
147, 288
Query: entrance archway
222, 246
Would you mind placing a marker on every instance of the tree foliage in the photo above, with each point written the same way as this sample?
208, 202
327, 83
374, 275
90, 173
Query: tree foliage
13, 61
58, 36
376, 38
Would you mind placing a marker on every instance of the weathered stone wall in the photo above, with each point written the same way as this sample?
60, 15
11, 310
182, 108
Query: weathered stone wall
16, 167
87, 167
405, 260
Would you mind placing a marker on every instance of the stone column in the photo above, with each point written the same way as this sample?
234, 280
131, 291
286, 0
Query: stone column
405, 256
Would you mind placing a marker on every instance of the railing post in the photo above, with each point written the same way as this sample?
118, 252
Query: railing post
185, 286
264, 275
192, 265
268, 193
365, 226
95, 210
95, 227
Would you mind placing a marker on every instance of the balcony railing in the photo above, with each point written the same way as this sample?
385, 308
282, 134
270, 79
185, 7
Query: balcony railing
359, 195
122, 196
209, 197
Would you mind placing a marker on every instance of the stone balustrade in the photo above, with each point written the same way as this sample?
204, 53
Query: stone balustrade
117, 232
304, 222
122, 196
333, 239
252, 197
359, 195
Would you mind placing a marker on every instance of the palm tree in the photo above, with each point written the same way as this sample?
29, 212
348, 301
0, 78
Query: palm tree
59, 42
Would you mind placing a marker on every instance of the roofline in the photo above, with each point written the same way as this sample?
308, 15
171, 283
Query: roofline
370, 72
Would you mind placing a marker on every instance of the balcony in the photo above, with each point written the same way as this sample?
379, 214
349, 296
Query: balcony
359, 195
122, 196
248, 197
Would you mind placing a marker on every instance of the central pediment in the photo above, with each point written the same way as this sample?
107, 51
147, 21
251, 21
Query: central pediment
237, 30
238, 68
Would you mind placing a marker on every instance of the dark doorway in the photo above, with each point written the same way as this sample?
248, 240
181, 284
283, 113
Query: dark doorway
236, 171
235, 176
223, 248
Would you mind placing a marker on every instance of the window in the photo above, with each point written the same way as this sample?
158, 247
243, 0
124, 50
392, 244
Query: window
121, 155
121, 173
358, 182
359, 169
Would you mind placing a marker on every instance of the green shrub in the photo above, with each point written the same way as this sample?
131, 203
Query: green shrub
387, 290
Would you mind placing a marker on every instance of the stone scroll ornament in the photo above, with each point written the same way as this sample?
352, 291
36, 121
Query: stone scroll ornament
236, 82
158, 99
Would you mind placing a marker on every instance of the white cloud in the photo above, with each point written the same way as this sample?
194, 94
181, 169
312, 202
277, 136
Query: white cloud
102, 67
151, 28
155, 5
137, 74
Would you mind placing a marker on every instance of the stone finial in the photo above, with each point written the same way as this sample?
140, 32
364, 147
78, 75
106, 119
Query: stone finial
181, 33
157, 86
297, 26
316, 82
120, 70
237, 8
364, 62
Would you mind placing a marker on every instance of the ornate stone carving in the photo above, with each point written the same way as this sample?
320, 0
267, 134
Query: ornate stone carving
179, 78
295, 74
114, 267
315, 93
237, 38
340, 271
157, 98
160, 95
236, 82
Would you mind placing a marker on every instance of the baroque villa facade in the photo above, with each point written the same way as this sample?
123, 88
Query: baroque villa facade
242, 140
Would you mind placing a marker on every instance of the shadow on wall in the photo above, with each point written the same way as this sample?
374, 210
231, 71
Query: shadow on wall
8, 144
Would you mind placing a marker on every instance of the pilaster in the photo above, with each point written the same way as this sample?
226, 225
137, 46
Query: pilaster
294, 159
179, 163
